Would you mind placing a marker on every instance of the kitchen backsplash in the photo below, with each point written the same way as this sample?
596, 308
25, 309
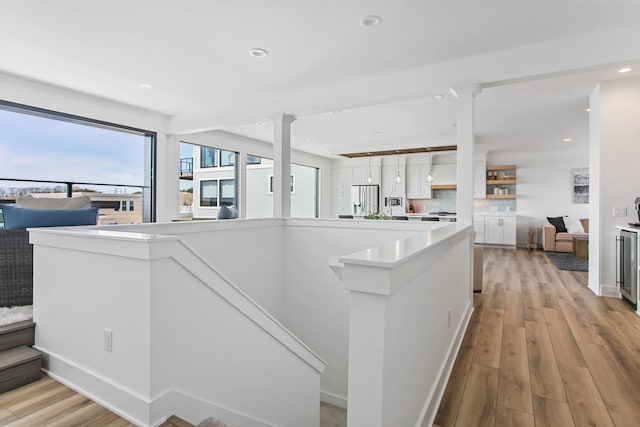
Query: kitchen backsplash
449, 205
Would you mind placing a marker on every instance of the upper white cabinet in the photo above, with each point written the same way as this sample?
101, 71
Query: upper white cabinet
479, 179
444, 174
417, 185
360, 175
389, 185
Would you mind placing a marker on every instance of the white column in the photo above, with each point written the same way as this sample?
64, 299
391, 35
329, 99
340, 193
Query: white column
464, 201
242, 184
282, 165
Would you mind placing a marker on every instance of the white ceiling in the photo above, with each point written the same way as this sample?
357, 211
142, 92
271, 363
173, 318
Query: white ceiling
195, 55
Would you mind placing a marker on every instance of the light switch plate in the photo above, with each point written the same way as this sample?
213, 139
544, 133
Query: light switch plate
619, 211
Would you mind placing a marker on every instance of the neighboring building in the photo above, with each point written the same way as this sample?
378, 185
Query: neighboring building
127, 208
214, 185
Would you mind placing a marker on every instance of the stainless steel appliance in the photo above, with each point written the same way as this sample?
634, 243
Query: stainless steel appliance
365, 199
627, 264
395, 205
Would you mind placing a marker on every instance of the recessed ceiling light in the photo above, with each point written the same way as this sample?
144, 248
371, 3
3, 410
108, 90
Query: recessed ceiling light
588, 110
438, 96
377, 133
336, 112
260, 123
370, 21
145, 86
258, 52
567, 140
624, 70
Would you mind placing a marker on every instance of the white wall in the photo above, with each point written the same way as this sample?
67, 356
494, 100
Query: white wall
619, 148
543, 186
186, 341
31, 93
316, 305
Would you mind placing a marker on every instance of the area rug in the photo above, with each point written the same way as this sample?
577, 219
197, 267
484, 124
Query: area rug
212, 422
567, 261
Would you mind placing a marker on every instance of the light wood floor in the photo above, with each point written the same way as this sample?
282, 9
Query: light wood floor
48, 403
542, 350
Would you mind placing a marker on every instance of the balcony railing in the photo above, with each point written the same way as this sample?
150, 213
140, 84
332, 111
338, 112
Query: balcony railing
186, 168
127, 203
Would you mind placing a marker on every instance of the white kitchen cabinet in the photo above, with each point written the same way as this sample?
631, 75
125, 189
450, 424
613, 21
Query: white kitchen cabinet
444, 174
389, 185
360, 175
478, 228
500, 230
479, 179
417, 185
341, 181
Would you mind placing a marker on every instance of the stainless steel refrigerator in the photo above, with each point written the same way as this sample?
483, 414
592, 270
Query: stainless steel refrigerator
365, 199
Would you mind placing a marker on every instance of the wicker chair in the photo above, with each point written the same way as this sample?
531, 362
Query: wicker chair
16, 268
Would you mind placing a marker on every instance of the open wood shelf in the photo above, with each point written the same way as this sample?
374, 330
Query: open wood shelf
501, 196
501, 181
444, 187
501, 167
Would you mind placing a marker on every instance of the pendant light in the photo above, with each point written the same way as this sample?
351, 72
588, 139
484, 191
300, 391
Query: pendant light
429, 175
398, 178
369, 178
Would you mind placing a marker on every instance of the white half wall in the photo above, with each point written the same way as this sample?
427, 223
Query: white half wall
543, 186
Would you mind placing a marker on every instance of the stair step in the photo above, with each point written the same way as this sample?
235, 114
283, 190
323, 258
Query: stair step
174, 421
19, 366
17, 334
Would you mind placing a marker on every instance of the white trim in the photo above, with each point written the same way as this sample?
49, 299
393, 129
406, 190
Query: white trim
333, 399
610, 291
101, 390
435, 396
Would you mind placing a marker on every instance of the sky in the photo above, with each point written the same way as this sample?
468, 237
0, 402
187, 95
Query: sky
39, 148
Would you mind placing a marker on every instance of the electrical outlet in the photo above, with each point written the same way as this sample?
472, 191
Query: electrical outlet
108, 340
449, 318
619, 211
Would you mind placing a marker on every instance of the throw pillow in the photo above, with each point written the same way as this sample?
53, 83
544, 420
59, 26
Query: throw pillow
558, 223
574, 226
81, 202
21, 218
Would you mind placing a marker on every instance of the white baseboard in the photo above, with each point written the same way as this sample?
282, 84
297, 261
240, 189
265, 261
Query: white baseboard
435, 397
194, 410
127, 404
610, 291
333, 399
136, 408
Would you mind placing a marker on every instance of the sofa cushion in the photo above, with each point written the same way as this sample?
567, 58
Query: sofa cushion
568, 236
81, 202
558, 223
21, 218
573, 225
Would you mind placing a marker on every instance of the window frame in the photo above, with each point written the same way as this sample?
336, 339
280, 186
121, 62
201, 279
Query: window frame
151, 167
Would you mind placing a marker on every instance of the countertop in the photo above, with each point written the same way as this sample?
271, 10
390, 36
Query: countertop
495, 213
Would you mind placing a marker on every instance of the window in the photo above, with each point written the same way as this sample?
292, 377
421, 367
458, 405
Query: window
123, 205
71, 155
227, 192
208, 157
227, 158
209, 193
271, 185
131, 203
253, 160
